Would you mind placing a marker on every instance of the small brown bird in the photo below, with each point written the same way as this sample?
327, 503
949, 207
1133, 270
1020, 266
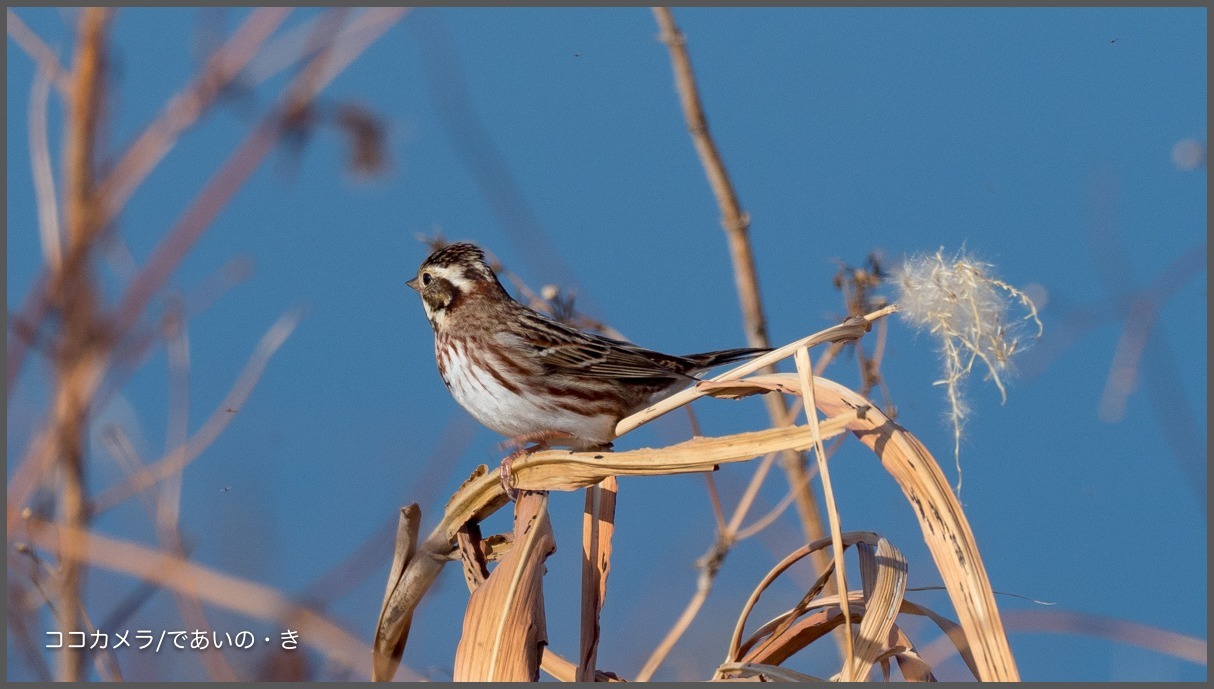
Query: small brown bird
531, 378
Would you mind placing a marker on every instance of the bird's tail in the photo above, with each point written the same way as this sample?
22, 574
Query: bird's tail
709, 360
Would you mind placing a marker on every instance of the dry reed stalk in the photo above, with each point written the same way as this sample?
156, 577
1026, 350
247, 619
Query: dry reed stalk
805, 378
883, 577
394, 619
779, 638
189, 227
758, 672
736, 224
728, 533
176, 460
883, 570
562, 670
851, 329
504, 627
164, 518
1163, 641
598, 526
49, 231
82, 345
247, 157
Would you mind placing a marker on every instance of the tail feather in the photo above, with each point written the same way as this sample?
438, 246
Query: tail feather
709, 360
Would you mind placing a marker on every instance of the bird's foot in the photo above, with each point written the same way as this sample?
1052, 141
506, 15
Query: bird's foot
542, 439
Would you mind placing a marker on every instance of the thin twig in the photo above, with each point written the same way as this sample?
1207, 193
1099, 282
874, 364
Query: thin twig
44, 177
239, 166
736, 224
81, 345
188, 604
186, 231
703, 588
39, 51
805, 372
184, 109
176, 460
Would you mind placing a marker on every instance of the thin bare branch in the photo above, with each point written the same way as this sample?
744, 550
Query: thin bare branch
239, 166
746, 278
184, 109
44, 178
805, 374
182, 455
38, 50
169, 535
81, 354
680, 626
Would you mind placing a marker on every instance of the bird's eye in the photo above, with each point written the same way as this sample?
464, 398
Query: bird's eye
426, 279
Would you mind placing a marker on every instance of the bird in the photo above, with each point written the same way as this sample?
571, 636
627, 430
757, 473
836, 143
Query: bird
534, 379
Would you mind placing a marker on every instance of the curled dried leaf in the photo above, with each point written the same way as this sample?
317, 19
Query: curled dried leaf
504, 625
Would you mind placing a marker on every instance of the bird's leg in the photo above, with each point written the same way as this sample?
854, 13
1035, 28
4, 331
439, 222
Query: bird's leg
542, 440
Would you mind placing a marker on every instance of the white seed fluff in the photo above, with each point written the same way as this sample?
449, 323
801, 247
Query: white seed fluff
967, 309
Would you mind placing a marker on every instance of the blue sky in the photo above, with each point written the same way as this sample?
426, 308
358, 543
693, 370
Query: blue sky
1041, 140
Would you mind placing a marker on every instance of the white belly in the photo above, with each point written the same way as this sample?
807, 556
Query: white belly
515, 414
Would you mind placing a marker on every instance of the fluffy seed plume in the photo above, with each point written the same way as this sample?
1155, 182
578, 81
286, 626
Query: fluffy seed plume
961, 302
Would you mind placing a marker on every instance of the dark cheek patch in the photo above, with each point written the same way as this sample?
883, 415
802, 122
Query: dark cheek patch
440, 294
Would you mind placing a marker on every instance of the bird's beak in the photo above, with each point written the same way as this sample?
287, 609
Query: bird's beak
412, 284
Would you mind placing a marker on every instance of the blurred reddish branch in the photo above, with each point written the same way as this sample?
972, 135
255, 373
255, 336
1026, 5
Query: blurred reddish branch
94, 347
80, 350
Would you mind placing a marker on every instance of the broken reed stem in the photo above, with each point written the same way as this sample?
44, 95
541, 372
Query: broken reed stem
746, 279
598, 526
805, 373
81, 346
512, 591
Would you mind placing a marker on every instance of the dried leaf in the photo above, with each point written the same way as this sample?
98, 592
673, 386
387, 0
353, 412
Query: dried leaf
773, 673
736, 389
393, 627
942, 522
883, 572
564, 671
504, 626
847, 539
914, 668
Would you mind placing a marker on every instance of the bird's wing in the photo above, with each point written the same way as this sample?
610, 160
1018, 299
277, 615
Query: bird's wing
562, 349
